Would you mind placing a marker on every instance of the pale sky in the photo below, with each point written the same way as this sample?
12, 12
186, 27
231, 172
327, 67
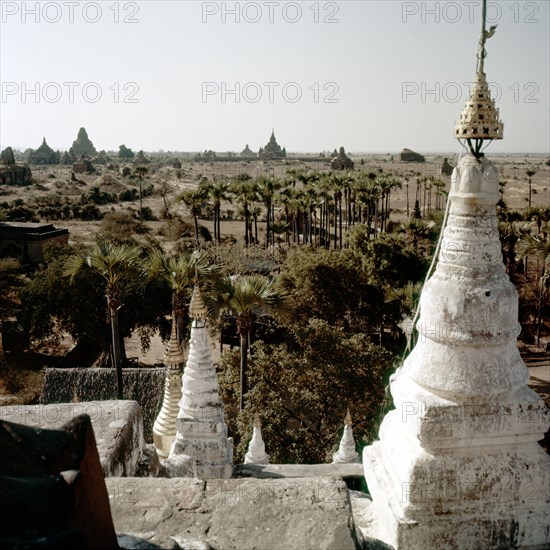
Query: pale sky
373, 76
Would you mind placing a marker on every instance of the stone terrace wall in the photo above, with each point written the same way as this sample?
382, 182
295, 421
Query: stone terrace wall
146, 386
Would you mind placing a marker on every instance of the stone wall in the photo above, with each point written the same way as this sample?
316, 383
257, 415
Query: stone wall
146, 386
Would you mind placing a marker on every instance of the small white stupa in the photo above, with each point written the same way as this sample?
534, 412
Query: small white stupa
164, 428
256, 448
346, 453
201, 447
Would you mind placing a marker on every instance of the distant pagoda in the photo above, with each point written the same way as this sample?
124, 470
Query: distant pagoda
44, 155
248, 153
82, 145
272, 150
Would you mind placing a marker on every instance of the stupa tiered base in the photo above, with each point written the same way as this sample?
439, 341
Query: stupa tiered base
458, 464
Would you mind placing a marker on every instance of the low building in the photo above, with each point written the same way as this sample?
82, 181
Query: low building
27, 241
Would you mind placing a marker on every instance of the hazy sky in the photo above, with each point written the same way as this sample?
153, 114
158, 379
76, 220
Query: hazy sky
373, 76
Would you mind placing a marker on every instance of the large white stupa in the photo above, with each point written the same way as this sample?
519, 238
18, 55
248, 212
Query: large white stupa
458, 465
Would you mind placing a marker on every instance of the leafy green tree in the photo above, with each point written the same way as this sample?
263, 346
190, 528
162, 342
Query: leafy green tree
387, 260
125, 153
245, 298
331, 285
110, 261
302, 389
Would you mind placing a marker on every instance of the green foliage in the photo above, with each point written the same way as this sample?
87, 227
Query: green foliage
331, 285
128, 195
302, 390
11, 281
388, 262
96, 196
50, 305
125, 153
119, 227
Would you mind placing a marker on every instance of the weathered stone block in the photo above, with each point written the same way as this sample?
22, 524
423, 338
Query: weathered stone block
118, 426
297, 514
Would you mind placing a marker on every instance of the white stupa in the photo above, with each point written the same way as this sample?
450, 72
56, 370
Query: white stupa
201, 447
164, 428
256, 448
458, 465
346, 453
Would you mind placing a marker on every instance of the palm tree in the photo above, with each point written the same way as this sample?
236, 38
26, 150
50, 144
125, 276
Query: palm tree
140, 171
218, 191
416, 230
246, 193
510, 233
180, 273
245, 298
110, 261
267, 188
530, 172
194, 200
539, 246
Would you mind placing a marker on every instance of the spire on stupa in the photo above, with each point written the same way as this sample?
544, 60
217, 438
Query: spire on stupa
256, 448
479, 120
197, 308
164, 428
346, 453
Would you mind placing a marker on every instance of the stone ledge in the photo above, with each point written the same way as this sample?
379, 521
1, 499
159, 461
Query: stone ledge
286, 514
273, 471
118, 428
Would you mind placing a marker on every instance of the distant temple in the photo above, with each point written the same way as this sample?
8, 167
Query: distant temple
341, 161
140, 158
272, 150
248, 153
44, 155
83, 165
12, 173
410, 156
82, 145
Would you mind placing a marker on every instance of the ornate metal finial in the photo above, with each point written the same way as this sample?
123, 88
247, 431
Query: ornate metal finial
348, 421
479, 120
197, 309
173, 354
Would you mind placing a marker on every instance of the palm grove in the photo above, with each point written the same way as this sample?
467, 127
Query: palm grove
313, 299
